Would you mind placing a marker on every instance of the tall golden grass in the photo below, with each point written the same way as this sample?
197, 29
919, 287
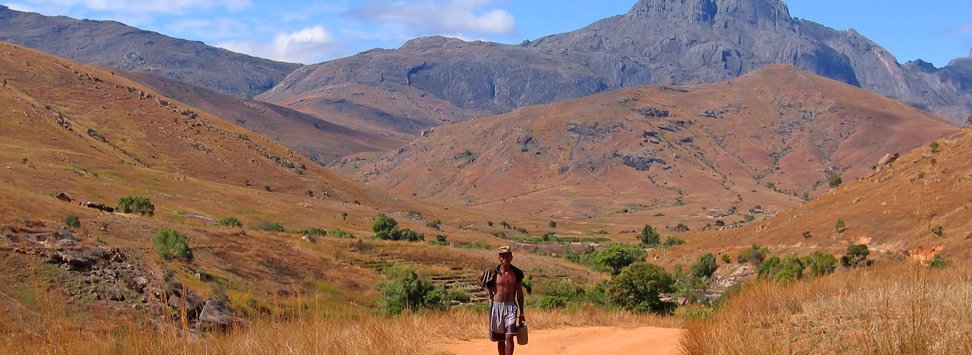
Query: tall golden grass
901, 308
417, 333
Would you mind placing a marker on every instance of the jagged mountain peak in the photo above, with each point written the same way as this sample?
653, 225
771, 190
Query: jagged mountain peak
712, 11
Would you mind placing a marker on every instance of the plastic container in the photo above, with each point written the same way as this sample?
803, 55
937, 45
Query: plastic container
521, 334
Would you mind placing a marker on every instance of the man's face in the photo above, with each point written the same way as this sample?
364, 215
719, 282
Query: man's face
506, 258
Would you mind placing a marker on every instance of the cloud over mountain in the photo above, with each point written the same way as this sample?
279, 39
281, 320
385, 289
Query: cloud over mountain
302, 46
451, 16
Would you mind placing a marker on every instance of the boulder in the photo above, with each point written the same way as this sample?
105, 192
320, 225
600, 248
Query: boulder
215, 313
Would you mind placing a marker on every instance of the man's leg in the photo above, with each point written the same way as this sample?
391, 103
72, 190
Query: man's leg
501, 347
509, 344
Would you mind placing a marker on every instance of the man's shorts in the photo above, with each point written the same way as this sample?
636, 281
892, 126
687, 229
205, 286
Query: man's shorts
502, 320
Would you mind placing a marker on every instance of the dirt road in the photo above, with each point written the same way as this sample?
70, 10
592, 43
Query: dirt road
587, 340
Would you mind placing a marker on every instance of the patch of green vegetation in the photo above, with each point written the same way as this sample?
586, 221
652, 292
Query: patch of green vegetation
569, 294
312, 231
268, 226
339, 233
673, 241
230, 222
478, 244
613, 258
72, 221
136, 204
170, 244
386, 228
649, 236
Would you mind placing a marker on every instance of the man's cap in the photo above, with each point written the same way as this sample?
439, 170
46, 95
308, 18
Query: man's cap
504, 249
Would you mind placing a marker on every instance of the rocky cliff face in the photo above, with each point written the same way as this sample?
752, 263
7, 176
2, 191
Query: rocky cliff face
658, 41
119, 46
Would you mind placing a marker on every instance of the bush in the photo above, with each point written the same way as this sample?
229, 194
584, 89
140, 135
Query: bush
171, 244
638, 287
820, 263
649, 236
834, 180
340, 233
268, 226
312, 231
789, 268
673, 241
136, 204
229, 222
938, 262
405, 290
726, 258
435, 224
705, 266
840, 226
938, 231
614, 258
383, 223
566, 294
72, 221
754, 255
552, 224
856, 255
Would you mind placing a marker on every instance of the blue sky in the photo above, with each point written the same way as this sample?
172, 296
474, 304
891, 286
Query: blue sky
313, 31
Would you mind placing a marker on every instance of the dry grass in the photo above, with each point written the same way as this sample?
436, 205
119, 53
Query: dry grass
354, 334
895, 309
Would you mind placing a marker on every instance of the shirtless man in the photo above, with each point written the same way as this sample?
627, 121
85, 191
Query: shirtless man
507, 288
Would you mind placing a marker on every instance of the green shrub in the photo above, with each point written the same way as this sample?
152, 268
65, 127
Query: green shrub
312, 231
840, 226
638, 287
383, 223
789, 268
552, 224
705, 266
614, 258
726, 258
478, 244
820, 263
938, 262
673, 241
754, 255
834, 180
406, 290
268, 226
171, 244
435, 224
136, 204
649, 236
938, 231
568, 294
856, 255
340, 233
229, 222
72, 221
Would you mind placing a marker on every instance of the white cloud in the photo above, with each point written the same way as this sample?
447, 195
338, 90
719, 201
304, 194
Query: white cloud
448, 16
308, 45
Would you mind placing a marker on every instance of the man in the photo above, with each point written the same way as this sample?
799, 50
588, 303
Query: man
504, 284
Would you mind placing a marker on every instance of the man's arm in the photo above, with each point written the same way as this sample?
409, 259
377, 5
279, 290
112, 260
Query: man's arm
519, 300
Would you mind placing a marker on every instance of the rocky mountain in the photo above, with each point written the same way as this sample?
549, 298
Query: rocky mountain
764, 141
657, 41
116, 45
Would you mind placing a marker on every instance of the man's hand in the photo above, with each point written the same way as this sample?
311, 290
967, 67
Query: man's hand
522, 318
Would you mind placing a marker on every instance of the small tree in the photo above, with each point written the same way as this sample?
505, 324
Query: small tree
834, 180
726, 258
344, 216
170, 244
705, 266
72, 221
230, 222
615, 257
434, 224
649, 236
406, 290
840, 226
136, 204
856, 255
383, 223
820, 263
638, 287
754, 255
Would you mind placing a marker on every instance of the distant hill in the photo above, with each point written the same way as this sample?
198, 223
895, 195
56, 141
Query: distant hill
656, 42
763, 141
116, 45
318, 139
919, 204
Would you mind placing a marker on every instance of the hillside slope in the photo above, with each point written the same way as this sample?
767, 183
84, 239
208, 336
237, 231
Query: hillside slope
316, 138
767, 139
116, 45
